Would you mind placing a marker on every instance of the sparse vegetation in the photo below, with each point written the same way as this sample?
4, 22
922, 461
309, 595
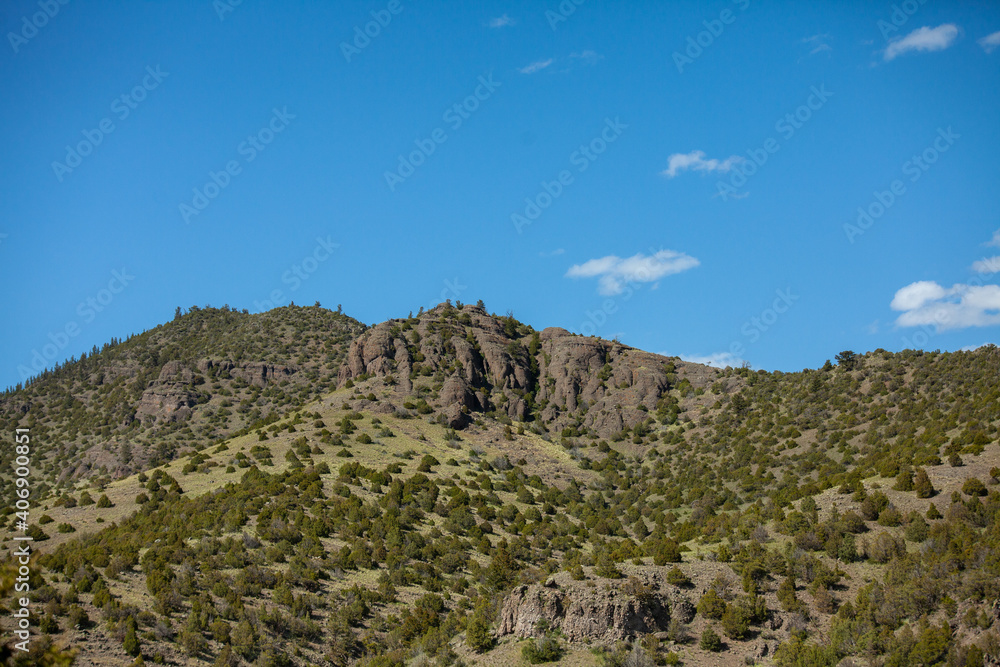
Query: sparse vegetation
822, 499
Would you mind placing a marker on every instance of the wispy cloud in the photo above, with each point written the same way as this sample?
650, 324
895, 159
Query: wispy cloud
716, 360
817, 44
990, 42
987, 265
695, 160
731, 195
614, 273
588, 56
536, 66
923, 39
995, 241
501, 22
552, 253
957, 307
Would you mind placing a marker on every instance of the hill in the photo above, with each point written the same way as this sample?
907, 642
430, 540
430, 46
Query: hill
136, 403
462, 488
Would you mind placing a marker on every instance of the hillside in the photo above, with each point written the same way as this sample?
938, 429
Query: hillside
136, 403
459, 488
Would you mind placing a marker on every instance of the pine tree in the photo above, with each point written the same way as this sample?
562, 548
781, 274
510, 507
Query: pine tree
847, 360
665, 551
922, 484
710, 641
131, 643
502, 569
477, 632
244, 640
786, 594
606, 567
904, 480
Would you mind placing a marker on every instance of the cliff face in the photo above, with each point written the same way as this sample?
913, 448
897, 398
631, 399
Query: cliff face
486, 363
174, 395
609, 611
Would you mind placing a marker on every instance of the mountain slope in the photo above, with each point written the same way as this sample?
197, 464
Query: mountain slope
465, 488
204, 375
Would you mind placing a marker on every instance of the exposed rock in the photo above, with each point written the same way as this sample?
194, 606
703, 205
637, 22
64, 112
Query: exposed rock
373, 353
485, 368
456, 418
456, 391
606, 612
260, 374
174, 371
166, 402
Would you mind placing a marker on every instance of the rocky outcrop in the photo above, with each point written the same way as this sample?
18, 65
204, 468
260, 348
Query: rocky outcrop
166, 403
487, 364
260, 374
611, 610
255, 373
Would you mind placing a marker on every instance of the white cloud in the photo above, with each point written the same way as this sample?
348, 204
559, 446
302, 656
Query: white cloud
717, 360
501, 22
987, 265
589, 56
995, 241
614, 272
958, 307
696, 160
923, 39
990, 42
915, 295
817, 43
552, 253
535, 66
973, 348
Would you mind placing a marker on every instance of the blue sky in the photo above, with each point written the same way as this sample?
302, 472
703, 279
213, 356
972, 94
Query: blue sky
763, 181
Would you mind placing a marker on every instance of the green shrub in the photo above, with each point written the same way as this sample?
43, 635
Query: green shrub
477, 633
735, 622
131, 641
677, 578
922, 484
544, 649
974, 487
711, 605
710, 641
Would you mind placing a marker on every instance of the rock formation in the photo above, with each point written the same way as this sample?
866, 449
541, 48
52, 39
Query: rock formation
485, 363
609, 611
